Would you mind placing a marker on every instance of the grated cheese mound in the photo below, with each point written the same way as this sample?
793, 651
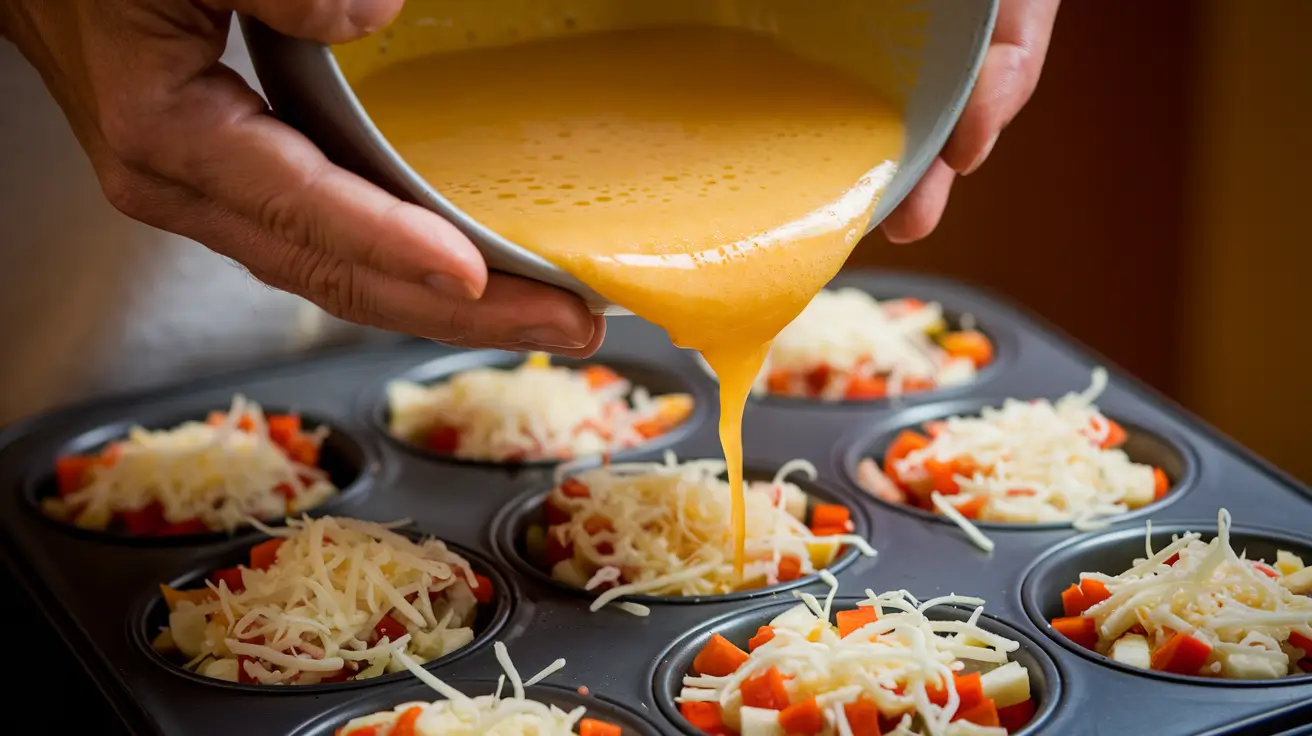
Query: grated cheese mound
892, 661
1032, 462
312, 615
534, 411
853, 334
666, 529
457, 714
219, 474
1246, 610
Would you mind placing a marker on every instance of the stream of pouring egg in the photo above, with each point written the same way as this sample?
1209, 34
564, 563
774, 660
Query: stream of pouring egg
706, 179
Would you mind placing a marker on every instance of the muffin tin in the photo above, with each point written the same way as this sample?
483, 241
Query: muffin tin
101, 592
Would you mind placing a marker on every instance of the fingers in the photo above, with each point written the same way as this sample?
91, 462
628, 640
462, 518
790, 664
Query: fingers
326, 21
216, 139
1006, 80
918, 214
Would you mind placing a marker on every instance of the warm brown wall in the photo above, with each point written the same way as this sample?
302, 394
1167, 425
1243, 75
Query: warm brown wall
1080, 213
1246, 350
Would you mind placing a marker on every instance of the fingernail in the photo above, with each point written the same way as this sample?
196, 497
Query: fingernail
448, 285
982, 157
367, 15
551, 337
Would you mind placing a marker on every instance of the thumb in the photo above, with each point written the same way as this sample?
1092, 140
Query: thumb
325, 21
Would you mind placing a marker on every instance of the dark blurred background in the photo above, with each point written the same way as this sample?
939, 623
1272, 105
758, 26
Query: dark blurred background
1151, 201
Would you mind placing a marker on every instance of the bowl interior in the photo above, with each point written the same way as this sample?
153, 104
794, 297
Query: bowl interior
921, 54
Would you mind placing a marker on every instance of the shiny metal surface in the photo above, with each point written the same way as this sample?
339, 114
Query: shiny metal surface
933, 65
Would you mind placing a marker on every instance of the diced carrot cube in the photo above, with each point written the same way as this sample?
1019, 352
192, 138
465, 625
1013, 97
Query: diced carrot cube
863, 717
264, 554
484, 593
405, 725
763, 636
934, 429
303, 450
173, 596
1115, 435
705, 717
1094, 591
1182, 654
828, 531
912, 384
779, 382
599, 376
907, 442
972, 505
596, 524
283, 428
970, 691
765, 690
943, 476
720, 657
574, 488
1073, 600
790, 568
804, 717
969, 344
71, 472
854, 618
830, 514
594, 727
1161, 483
1015, 717
983, 713
863, 388
1082, 630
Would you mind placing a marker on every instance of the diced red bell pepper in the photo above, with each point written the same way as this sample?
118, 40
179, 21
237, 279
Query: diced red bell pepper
1015, 717
144, 522
283, 428
231, 576
182, 528
390, 628
484, 593
264, 554
443, 439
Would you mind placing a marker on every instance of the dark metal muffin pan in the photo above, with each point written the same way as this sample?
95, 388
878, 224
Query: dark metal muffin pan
98, 589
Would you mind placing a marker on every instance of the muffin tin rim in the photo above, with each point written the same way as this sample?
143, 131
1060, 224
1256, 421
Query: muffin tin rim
662, 669
505, 588
1032, 604
375, 404
501, 536
854, 445
33, 478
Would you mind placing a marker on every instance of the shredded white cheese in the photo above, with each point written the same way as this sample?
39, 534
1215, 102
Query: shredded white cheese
666, 529
852, 334
1245, 610
218, 474
947, 509
1026, 462
312, 615
893, 661
458, 714
534, 411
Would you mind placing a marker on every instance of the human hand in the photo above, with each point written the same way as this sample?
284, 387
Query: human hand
180, 142
1006, 81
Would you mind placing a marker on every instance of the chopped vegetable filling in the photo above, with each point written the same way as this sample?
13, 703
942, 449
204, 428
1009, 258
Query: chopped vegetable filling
1197, 608
1024, 462
533, 412
665, 529
883, 667
197, 477
457, 714
846, 345
326, 600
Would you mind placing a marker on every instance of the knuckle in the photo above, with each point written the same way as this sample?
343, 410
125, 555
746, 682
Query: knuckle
123, 190
282, 214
